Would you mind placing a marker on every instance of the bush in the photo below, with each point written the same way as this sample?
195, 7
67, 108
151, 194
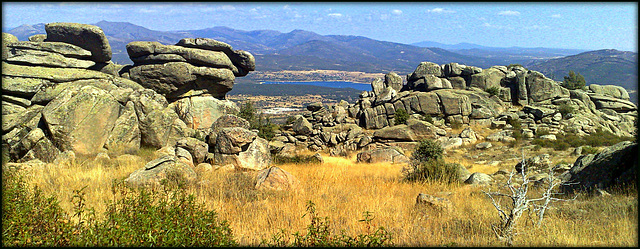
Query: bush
565, 109
427, 117
589, 150
297, 159
136, 217
493, 91
433, 170
265, 128
147, 218
455, 124
427, 150
29, 218
401, 117
573, 81
319, 234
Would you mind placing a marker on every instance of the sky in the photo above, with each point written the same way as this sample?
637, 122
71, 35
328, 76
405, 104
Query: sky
588, 26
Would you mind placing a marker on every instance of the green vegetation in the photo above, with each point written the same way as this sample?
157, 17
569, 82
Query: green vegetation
265, 128
597, 139
134, 218
493, 91
319, 234
427, 164
565, 109
455, 124
401, 117
297, 159
573, 81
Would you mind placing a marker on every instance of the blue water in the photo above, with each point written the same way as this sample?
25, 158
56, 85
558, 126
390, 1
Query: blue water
334, 84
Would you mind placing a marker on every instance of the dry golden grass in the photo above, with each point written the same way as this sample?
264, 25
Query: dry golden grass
342, 190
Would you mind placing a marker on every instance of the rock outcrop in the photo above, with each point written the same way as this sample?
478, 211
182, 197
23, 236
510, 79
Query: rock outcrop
617, 165
62, 93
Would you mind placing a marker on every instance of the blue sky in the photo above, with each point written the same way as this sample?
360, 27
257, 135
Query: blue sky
552, 25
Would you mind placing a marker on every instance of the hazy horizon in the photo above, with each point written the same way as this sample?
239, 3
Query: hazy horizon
586, 26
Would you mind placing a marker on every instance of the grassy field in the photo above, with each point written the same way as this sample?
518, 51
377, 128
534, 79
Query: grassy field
343, 190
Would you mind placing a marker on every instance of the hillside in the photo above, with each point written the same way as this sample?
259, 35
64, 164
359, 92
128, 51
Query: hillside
603, 67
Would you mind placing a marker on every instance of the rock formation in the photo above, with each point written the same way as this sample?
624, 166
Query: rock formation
61, 93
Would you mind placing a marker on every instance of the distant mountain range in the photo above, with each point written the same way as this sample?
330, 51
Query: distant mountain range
305, 50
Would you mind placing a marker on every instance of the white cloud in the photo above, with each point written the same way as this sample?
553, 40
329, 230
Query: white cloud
337, 15
556, 16
509, 13
397, 12
440, 10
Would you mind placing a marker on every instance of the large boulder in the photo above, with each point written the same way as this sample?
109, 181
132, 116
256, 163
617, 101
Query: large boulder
390, 154
233, 140
196, 148
393, 80
199, 112
166, 169
81, 121
6, 40
613, 167
610, 90
50, 54
302, 126
488, 78
163, 127
454, 103
276, 179
243, 60
180, 79
125, 136
395, 133
86, 36
256, 156
426, 68
541, 88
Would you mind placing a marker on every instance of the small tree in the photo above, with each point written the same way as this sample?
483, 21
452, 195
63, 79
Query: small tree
573, 81
401, 116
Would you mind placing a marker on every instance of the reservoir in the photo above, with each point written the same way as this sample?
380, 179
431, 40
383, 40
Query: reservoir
334, 84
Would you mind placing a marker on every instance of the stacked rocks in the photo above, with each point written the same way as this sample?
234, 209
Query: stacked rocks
196, 74
458, 94
52, 102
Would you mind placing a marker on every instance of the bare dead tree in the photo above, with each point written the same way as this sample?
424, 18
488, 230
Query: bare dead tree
520, 202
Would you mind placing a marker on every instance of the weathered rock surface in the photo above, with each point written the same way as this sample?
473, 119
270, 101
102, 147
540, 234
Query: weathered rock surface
276, 179
86, 36
614, 166
392, 155
166, 168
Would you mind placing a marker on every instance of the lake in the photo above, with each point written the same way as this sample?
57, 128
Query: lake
334, 84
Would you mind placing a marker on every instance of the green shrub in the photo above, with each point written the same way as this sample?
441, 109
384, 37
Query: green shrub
455, 124
493, 91
401, 117
427, 150
433, 170
428, 118
565, 109
297, 159
290, 120
136, 217
319, 234
29, 218
149, 218
589, 150
573, 81
265, 128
